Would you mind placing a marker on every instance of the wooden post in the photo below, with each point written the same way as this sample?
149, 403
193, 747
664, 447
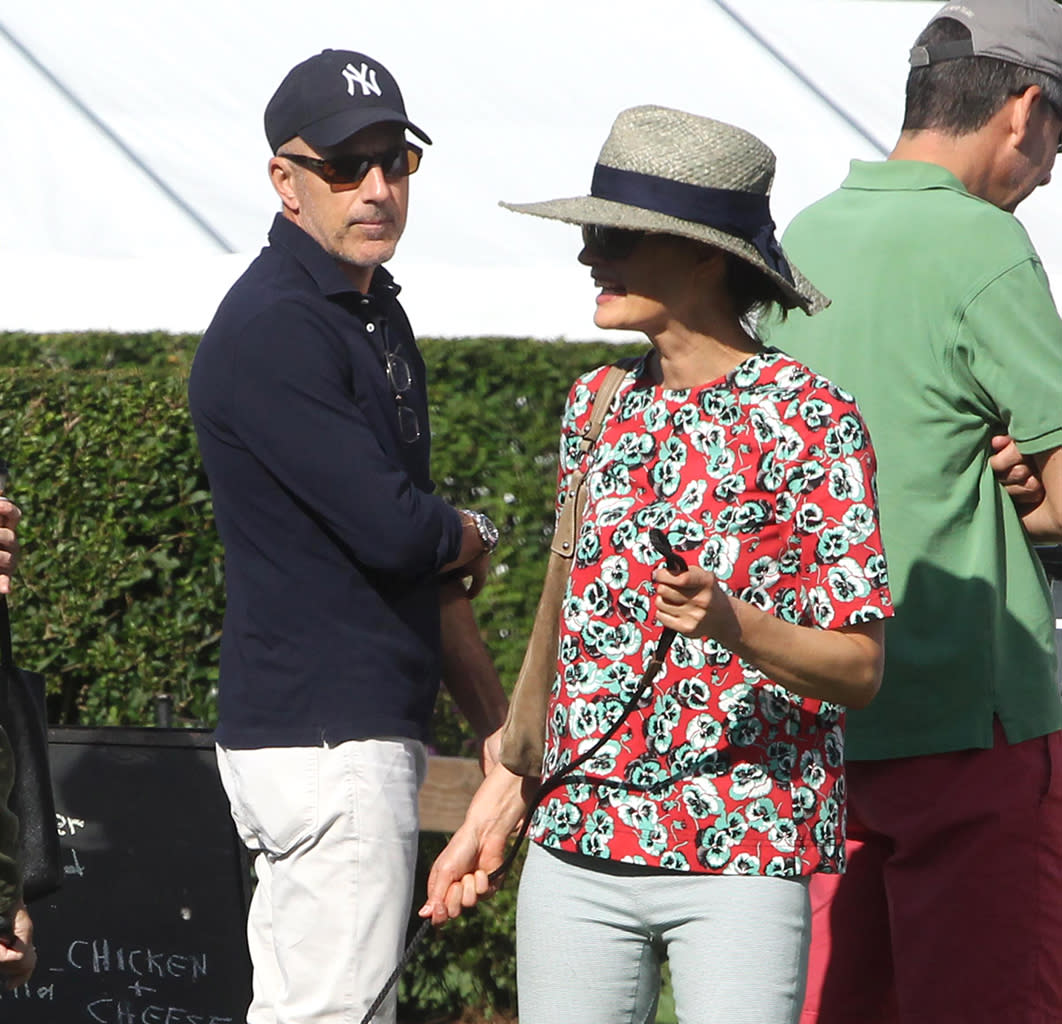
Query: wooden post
448, 789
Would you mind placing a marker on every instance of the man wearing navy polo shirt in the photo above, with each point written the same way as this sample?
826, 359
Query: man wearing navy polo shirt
309, 402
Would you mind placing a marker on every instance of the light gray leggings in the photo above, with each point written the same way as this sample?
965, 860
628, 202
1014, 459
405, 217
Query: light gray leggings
592, 935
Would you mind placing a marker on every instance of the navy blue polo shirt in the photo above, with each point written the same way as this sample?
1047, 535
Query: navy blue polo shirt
333, 538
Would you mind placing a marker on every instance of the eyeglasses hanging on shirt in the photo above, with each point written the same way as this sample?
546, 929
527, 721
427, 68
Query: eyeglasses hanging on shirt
400, 378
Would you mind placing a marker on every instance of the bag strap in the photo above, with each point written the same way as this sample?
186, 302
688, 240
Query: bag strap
7, 657
571, 504
548, 611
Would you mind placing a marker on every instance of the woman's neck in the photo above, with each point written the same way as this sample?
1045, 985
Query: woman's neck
685, 358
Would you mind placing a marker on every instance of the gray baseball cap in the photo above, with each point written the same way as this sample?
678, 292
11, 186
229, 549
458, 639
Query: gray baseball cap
1023, 32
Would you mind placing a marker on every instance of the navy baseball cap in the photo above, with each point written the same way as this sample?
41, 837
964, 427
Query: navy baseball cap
332, 95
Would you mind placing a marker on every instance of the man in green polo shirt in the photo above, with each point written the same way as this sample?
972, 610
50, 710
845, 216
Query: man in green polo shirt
943, 327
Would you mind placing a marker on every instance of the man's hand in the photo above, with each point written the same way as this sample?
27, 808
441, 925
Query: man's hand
473, 560
9, 517
18, 957
474, 574
1016, 473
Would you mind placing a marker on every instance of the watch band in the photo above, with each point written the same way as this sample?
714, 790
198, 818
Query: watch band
488, 532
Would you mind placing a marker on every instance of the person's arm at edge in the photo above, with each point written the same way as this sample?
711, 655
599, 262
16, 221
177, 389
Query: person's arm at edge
1021, 476
468, 671
1008, 346
10, 514
1043, 520
18, 956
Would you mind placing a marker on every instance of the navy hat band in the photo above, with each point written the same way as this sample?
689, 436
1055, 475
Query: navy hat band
745, 215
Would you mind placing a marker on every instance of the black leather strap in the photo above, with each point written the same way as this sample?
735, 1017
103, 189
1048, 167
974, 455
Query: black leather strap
7, 657
923, 56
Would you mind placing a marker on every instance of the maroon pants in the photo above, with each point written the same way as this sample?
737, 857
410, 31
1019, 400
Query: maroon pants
951, 909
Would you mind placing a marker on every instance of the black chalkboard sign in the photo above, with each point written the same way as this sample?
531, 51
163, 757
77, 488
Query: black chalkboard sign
149, 927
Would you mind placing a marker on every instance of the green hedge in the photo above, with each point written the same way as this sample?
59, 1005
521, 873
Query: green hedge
120, 594
85, 351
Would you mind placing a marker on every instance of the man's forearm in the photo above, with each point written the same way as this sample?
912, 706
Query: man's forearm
1043, 523
468, 671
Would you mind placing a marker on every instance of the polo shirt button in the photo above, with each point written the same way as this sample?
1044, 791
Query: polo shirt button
370, 327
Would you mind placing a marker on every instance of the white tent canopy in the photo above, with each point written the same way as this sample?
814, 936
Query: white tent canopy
136, 182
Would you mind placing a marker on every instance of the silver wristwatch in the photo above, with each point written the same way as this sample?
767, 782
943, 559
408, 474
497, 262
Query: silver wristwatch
488, 532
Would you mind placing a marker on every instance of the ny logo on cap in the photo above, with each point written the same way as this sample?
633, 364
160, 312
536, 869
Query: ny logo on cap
363, 76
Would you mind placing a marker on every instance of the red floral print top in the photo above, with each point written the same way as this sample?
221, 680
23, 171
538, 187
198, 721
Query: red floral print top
764, 477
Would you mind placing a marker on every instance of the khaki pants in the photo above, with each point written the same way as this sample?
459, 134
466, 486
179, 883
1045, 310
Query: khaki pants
333, 831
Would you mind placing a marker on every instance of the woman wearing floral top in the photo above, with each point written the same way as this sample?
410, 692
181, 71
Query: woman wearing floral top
690, 834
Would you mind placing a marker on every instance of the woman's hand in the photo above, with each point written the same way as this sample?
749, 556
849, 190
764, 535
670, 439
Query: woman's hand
460, 874
693, 603
842, 664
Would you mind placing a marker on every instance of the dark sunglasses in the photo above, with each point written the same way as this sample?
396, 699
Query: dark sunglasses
351, 170
611, 243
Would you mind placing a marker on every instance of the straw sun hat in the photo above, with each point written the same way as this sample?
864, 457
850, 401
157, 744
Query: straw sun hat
673, 173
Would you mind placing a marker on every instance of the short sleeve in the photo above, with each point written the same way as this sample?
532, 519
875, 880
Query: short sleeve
1009, 347
838, 531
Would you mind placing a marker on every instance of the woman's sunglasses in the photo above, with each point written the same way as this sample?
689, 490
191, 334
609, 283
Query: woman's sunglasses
611, 243
351, 169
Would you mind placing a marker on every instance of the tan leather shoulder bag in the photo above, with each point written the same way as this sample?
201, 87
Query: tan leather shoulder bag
524, 732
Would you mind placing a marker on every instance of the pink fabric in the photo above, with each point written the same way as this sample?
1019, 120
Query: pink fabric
951, 910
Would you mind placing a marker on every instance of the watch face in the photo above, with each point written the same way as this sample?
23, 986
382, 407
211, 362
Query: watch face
488, 532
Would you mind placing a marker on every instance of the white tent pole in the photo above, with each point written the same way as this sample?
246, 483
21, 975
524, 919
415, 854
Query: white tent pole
130, 154
777, 54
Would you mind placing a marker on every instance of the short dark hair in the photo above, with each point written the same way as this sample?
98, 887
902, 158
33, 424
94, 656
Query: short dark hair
960, 96
752, 292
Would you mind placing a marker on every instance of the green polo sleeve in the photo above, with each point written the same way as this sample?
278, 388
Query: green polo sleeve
1008, 348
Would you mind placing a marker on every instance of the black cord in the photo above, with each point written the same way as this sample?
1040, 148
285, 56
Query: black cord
564, 775
418, 937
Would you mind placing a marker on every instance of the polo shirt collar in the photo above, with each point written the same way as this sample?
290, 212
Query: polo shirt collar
900, 176
321, 267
